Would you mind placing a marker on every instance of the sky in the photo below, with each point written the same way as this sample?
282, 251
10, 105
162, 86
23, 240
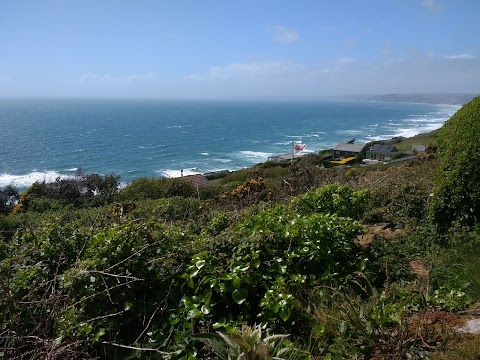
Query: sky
238, 48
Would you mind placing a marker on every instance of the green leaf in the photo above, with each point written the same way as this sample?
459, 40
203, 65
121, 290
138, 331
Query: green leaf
240, 295
236, 282
207, 295
99, 334
285, 313
219, 324
190, 282
200, 264
194, 313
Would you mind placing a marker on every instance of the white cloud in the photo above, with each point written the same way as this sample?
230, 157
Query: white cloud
257, 70
254, 69
283, 35
89, 77
431, 5
417, 73
344, 61
193, 77
461, 56
141, 77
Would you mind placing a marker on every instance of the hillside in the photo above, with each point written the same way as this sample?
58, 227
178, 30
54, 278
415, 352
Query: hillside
349, 262
453, 99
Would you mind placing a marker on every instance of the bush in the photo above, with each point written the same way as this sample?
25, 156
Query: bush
154, 188
400, 194
235, 176
169, 209
457, 191
81, 191
335, 198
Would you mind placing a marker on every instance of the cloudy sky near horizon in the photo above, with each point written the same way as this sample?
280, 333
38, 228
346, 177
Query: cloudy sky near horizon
220, 48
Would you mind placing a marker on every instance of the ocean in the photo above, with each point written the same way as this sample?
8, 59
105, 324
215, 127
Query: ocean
42, 139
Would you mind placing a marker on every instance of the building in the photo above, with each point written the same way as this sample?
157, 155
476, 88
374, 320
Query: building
348, 150
416, 149
381, 152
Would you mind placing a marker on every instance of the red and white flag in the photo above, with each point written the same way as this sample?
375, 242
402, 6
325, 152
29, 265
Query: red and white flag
299, 147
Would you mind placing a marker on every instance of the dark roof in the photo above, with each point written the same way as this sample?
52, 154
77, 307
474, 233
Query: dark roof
383, 149
197, 180
354, 148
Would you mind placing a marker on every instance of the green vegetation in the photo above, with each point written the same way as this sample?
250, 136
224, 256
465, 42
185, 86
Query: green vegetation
457, 194
275, 261
427, 139
8, 196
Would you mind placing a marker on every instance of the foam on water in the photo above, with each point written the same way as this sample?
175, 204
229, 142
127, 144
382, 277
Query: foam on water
254, 156
26, 180
349, 132
223, 160
174, 173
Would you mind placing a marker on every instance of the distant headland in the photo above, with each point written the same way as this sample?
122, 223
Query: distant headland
450, 99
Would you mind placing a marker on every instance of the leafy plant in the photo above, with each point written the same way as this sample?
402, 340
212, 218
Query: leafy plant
334, 199
249, 343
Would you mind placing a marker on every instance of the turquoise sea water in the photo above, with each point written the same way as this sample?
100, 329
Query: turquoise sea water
41, 139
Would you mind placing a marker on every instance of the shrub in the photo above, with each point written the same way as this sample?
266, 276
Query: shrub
400, 194
155, 188
259, 274
335, 198
81, 191
235, 176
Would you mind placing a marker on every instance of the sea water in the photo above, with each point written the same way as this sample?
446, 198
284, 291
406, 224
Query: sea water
42, 139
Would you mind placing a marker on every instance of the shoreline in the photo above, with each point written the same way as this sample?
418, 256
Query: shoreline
27, 180
237, 157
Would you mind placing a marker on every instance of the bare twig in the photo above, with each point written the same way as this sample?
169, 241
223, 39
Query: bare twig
136, 348
105, 316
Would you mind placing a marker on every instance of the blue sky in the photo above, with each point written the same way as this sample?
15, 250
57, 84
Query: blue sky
223, 48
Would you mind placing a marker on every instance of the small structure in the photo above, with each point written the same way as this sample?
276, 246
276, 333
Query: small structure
348, 150
416, 149
197, 180
381, 152
284, 157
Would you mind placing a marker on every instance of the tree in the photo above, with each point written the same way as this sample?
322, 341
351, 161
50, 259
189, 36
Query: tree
102, 188
457, 186
8, 198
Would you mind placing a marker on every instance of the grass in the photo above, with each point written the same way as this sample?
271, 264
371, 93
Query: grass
468, 349
420, 139
460, 263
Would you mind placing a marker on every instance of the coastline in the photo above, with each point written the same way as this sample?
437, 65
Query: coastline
50, 176
130, 156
